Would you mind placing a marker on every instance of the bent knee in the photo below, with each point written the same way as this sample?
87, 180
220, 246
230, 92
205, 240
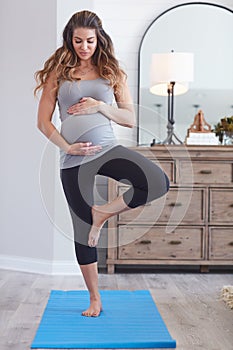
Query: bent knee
167, 183
159, 188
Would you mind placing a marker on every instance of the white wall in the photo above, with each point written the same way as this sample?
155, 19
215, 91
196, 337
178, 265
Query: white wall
29, 30
27, 35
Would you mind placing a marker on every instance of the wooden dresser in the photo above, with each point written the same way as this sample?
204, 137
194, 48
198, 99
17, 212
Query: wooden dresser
191, 225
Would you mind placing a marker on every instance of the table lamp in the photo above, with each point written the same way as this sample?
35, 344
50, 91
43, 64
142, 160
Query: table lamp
170, 74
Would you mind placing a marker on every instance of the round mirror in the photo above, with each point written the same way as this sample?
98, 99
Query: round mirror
205, 30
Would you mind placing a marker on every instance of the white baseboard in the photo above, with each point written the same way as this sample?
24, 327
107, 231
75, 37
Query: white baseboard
47, 267
65, 267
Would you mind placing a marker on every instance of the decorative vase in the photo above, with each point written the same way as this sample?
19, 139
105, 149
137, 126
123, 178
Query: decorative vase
227, 138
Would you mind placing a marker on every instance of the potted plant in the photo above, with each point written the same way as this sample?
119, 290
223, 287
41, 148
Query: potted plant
224, 129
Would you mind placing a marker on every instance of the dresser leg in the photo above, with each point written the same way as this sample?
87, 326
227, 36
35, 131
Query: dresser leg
111, 268
204, 268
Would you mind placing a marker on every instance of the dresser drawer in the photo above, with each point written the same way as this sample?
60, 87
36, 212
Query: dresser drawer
147, 242
168, 167
205, 172
221, 243
179, 205
221, 205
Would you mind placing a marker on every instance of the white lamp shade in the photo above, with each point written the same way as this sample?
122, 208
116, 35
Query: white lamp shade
161, 89
171, 67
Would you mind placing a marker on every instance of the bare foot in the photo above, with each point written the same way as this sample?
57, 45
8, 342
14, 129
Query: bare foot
98, 217
94, 309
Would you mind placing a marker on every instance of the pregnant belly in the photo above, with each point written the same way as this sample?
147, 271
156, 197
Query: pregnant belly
94, 128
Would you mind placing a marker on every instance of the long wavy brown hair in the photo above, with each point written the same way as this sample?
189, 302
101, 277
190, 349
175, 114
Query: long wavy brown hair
65, 60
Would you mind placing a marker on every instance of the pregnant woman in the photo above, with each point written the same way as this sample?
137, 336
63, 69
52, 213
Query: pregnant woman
84, 78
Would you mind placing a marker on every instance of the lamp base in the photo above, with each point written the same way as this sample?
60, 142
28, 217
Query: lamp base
171, 136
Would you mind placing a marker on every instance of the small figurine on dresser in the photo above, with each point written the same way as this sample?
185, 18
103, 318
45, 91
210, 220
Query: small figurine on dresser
200, 132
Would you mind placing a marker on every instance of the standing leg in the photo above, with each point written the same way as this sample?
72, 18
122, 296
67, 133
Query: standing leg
80, 209
90, 275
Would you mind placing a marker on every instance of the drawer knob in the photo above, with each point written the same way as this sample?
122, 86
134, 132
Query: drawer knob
145, 241
175, 242
174, 204
230, 243
231, 205
205, 172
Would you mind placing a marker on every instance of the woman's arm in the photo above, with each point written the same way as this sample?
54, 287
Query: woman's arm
123, 115
45, 112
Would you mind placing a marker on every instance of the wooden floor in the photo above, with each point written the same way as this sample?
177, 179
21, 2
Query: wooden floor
189, 304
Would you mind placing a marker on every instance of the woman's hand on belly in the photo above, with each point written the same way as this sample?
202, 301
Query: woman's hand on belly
87, 105
83, 149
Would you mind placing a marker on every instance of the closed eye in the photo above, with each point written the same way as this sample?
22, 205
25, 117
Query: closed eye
89, 42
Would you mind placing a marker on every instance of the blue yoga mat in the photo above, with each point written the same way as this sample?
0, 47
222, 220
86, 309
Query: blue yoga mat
129, 319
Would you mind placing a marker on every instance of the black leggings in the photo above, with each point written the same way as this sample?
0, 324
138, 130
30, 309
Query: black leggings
147, 180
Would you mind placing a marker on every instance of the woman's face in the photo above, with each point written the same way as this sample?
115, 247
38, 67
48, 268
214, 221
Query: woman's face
84, 42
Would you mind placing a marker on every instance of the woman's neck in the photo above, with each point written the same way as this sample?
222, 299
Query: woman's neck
85, 64
86, 70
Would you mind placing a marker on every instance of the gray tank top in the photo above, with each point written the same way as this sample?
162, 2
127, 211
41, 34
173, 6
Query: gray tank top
95, 128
